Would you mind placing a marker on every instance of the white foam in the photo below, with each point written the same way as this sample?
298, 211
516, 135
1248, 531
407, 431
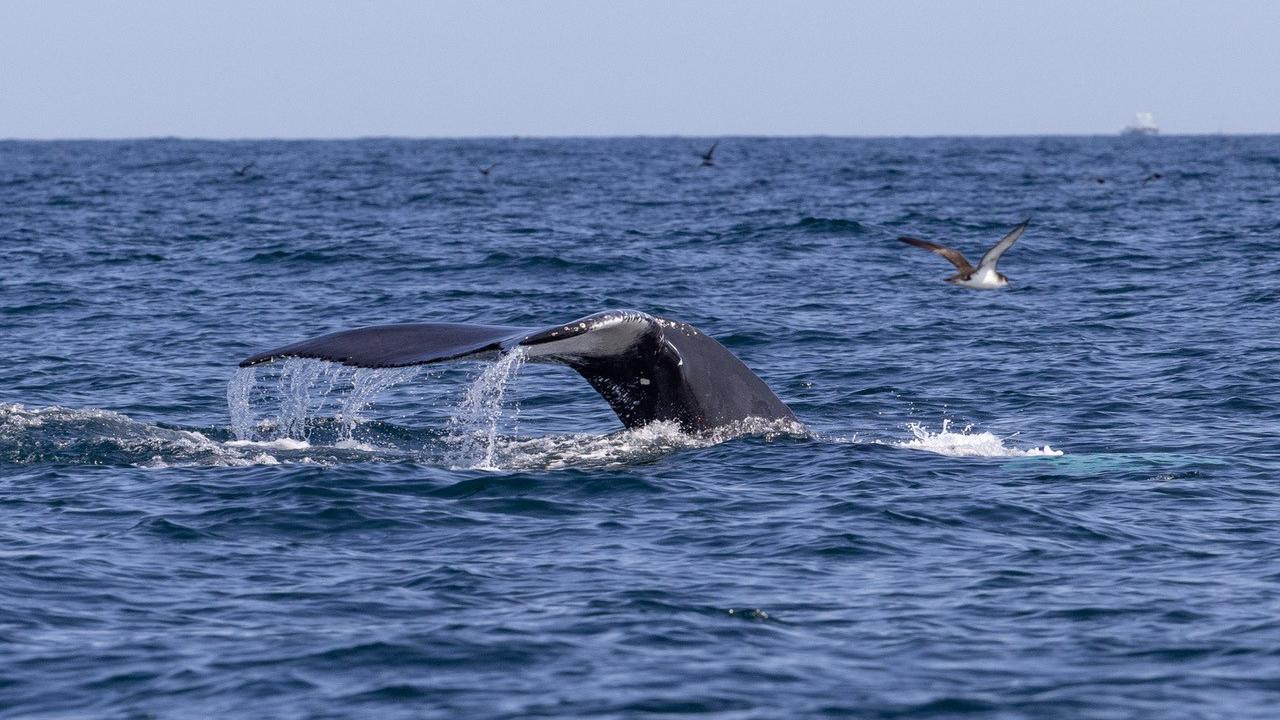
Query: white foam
552, 452
277, 444
17, 415
966, 443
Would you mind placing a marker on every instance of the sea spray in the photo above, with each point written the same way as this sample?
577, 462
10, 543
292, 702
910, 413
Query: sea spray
474, 425
966, 443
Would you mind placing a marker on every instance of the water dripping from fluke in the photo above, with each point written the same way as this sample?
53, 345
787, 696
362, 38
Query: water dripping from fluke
239, 402
287, 405
303, 395
474, 426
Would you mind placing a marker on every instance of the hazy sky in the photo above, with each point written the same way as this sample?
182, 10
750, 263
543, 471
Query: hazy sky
320, 69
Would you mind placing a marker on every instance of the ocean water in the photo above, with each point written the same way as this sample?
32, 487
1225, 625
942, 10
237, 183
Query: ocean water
1058, 500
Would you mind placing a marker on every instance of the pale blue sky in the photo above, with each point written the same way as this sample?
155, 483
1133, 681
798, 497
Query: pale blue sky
321, 69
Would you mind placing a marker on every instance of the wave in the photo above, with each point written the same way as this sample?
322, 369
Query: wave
824, 225
307, 411
58, 435
67, 436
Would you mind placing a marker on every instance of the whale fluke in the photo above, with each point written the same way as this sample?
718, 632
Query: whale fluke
647, 368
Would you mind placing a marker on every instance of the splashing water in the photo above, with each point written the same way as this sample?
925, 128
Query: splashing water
965, 443
294, 390
642, 444
239, 404
366, 386
304, 391
474, 425
481, 432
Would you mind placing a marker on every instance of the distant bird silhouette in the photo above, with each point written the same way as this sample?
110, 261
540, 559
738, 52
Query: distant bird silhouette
486, 170
708, 159
1100, 180
244, 169
983, 277
1152, 176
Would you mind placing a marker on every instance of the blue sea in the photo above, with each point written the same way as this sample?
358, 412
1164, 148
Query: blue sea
1057, 500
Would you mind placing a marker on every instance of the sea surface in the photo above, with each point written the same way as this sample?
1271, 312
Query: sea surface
1058, 500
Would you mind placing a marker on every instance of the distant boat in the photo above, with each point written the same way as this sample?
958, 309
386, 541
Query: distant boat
1144, 123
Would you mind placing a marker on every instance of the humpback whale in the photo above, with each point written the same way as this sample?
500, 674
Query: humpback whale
983, 277
647, 368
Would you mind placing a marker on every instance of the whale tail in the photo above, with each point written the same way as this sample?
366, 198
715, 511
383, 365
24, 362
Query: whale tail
647, 368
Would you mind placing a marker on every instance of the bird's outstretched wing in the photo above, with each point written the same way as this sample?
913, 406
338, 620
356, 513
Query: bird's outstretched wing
955, 257
992, 256
711, 150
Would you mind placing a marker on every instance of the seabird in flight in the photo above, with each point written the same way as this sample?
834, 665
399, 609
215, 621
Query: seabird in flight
707, 157
983, 277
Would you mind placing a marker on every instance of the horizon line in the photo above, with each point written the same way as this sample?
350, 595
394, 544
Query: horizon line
637, 136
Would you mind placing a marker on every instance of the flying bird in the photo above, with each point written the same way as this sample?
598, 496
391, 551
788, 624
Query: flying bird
983, 277
708, 159
486, 170
244, 169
